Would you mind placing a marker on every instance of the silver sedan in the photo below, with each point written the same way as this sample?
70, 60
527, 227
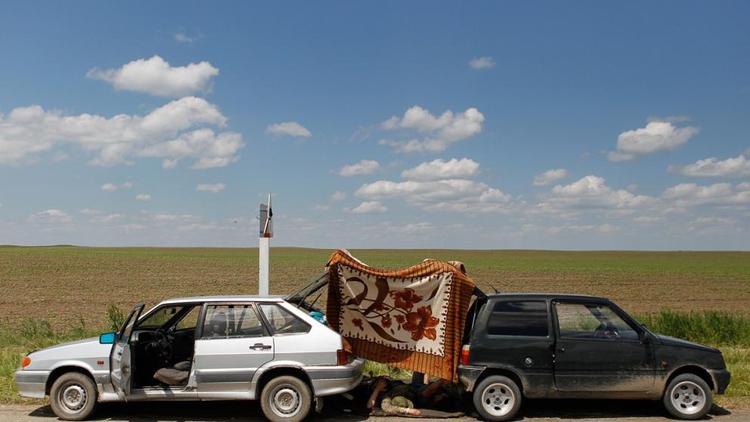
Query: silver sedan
199, 348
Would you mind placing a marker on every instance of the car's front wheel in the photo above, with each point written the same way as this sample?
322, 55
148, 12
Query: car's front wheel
688, 396
286, 398
73, 396
497, 398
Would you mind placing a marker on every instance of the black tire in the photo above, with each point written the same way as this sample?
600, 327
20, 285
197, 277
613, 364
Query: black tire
688, 397
286, 389
497, 398
73, 396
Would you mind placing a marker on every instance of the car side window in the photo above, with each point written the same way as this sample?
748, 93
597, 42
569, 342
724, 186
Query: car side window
283, 321
232, 321
519, 318
591, 320
190, 320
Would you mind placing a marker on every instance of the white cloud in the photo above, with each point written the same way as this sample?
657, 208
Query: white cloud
107, 218
143, 197
440, 195
369, 207
441, 131
691, 194
657, 135
582, 228
213, 188
184, 38
592, 192
713, 167
338, 196
549, 177
441, 169
157, 77
363, 167
50, 216
111, 187
481, 63
173, 132
288, 129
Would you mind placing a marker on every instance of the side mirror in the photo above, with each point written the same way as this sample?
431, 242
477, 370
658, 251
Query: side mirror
107, 338
645, 337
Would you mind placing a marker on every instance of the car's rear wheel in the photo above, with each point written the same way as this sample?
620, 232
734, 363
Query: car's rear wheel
688, 396
497, 398
73, 396
286, 398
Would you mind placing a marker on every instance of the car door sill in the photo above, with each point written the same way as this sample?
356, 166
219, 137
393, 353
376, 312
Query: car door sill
165, 392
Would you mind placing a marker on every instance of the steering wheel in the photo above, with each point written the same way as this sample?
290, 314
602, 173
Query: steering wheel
606, 331
161, 345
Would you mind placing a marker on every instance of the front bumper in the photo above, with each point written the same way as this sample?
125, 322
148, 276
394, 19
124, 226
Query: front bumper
468, 375
31, 383
721, 379
330, 380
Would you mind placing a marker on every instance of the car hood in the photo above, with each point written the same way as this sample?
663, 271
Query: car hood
86, 350
677, 342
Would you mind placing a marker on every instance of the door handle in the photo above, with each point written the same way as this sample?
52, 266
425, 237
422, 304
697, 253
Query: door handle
260, 346
561, 350
125, 369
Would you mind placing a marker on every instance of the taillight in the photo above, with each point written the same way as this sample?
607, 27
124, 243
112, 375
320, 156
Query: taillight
342, 358
465, 355
26, 361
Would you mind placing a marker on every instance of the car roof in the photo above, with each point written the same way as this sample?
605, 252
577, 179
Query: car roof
547, 296
228, 298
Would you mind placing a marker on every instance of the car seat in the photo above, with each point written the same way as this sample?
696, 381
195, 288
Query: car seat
176, 375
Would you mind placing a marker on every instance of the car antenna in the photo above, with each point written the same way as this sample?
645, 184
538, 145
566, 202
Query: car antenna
495, 289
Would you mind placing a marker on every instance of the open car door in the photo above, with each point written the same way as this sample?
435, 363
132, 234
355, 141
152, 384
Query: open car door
120, 356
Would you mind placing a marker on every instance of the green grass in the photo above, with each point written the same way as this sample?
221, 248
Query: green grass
708, 327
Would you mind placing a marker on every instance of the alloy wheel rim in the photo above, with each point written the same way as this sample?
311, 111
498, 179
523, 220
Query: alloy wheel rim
73, 397
285, 402
498, 399
688, 397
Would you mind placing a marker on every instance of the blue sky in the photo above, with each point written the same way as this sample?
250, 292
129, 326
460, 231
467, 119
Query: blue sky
387, 124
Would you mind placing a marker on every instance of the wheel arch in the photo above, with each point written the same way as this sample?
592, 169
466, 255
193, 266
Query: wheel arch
691, 369
506, 372
278, 371
64, 369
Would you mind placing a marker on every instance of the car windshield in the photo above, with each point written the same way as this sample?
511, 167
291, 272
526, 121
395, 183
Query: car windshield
161, 317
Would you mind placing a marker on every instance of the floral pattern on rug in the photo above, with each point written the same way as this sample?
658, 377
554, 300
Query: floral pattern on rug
406, 314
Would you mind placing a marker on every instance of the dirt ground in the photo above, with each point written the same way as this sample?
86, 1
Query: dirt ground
71, 285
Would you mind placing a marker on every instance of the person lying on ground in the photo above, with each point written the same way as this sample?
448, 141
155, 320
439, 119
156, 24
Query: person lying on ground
398, 399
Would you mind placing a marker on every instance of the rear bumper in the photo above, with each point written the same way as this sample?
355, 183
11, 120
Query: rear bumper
721, 379
330, 380
31, 383
468, 375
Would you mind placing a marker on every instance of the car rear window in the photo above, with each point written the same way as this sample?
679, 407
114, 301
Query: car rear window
282, 321
519, 318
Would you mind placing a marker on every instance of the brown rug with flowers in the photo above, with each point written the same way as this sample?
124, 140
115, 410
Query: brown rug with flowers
411, 318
